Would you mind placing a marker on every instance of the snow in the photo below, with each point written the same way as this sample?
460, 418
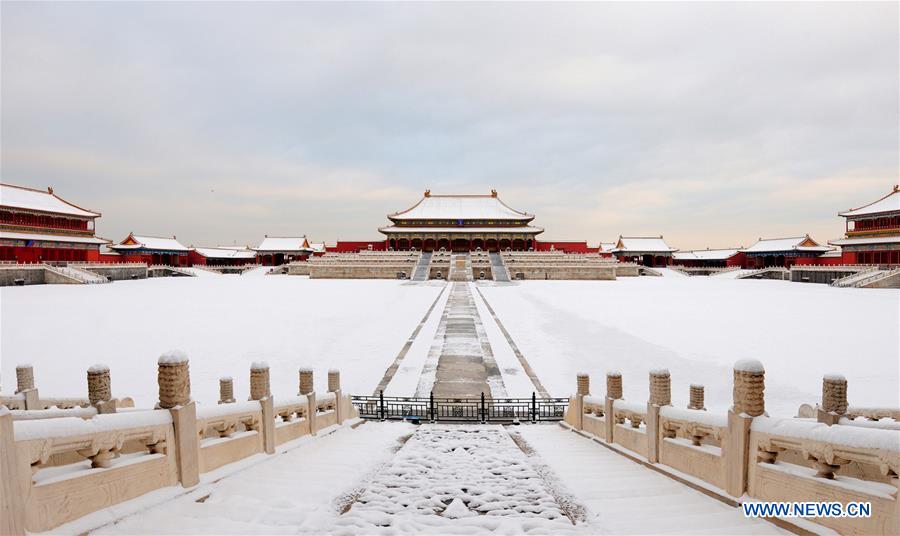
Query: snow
42, 200
283, 243
172, 357
642, 244
620, 497
705, 254
848, 436
223, 324
695, 415
834, 377
697, 327
457, 480
888, 203
74, 426
98, 368
212, 410
767, 245
152, 242
750, 365
460, 207
226, 253
299, 491
259, 365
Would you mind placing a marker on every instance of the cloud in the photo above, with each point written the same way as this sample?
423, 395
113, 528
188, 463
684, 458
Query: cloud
708, 123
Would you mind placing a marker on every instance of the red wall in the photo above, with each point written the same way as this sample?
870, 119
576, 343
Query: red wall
565, 246
30, 254
351, 246
821, 261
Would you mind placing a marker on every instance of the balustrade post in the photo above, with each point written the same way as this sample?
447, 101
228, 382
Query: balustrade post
533, 407
313, 410
381, 404
174, 381
259, 381
660, 395
748, 396
834, 399
696, 397
25, 386
99, 391
431, 406
306, 381
613, 393
12, 480
334, 380
482, 408
226, 390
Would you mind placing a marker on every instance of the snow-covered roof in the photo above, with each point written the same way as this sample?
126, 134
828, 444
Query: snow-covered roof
888, 203
705, 254
317, 247
133, 241
798, 243
226, 253
283, 243
40, 200
864, 241
53, 238
515, 229
607, 246
460, 207
642, 244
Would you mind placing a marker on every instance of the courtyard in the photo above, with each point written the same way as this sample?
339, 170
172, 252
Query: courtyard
389, 335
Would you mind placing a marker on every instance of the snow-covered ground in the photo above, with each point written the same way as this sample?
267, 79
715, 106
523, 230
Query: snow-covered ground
223, 323
698, 327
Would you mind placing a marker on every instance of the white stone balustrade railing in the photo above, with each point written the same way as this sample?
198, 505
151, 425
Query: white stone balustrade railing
61, 464
746, 455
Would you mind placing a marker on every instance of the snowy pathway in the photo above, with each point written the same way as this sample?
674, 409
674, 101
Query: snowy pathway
465, 365
618, 493
299, 491
465, 479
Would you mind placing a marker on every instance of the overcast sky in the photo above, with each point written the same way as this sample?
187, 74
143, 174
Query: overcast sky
712, 124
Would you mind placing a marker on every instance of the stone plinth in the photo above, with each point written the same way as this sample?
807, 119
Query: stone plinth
98, 384
173, 376
259, 381
306, 381
749, 388
614, 385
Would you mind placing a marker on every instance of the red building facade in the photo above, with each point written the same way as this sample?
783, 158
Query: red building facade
39, 226
152, 250
872, 233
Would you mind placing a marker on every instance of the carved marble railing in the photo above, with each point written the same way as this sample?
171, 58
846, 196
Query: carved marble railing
69, 467
830, 452
61, 464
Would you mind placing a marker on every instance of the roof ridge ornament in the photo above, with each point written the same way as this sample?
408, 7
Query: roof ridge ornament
493, 192
428, 193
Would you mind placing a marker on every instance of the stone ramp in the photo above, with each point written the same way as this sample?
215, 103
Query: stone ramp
422, 267
498, 269
618, 494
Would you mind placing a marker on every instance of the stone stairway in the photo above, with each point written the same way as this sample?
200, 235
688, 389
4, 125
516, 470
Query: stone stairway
422, 267
460, 269
78, 274
498, 269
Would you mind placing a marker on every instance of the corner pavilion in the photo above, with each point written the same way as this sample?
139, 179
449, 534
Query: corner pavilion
461, 223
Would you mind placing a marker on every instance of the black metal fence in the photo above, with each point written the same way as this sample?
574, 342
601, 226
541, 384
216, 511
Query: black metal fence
483, 409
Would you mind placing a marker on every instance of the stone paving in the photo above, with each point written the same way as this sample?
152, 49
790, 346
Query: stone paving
461, 363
